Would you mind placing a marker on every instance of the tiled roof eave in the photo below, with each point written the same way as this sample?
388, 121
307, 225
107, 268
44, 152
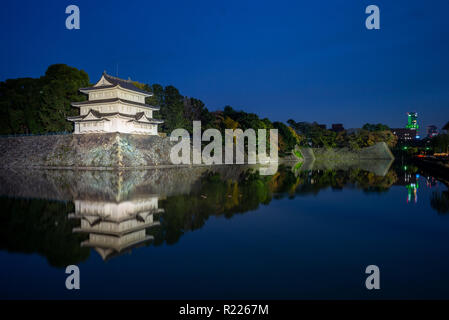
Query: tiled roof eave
125, 84
150, 121
113, 100
90, 120
97, 88
112, 114
113, 86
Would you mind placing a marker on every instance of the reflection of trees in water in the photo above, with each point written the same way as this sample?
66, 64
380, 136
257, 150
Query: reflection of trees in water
440, 201
315, 181
42, 227
216, 196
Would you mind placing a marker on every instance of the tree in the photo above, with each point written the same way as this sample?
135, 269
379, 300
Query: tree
41, 105
288, 140
320, 137
195, 110
440, 143
172, 109
19, 106
60, 87
30, 105
375, 127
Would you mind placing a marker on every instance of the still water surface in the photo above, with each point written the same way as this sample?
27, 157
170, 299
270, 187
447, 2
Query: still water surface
224, 233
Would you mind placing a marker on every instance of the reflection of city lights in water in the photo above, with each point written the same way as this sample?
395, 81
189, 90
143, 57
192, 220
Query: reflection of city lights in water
412, 189
431, 182
412, 185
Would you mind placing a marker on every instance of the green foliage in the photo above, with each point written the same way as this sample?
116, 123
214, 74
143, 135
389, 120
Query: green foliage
319, 137
298, 154
41, 226
314, 134
288, 140
19, 106
41, 105
195, 110
375, 127
364, 138
172, 109
440, 143
247, 120
176, 110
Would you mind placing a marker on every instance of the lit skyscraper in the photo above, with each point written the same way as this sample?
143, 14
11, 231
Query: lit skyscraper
412, 122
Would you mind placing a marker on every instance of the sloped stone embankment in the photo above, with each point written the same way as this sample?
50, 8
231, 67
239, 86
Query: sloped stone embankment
106, 150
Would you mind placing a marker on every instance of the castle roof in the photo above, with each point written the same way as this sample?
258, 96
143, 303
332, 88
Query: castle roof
112, 100
112, 82
94, 115
108, 253
116, 233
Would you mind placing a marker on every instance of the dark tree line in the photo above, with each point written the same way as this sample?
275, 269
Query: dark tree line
42, 105
368, 135
440, 143
179, 111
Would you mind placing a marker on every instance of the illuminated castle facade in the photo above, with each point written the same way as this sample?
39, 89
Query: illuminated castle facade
115, 105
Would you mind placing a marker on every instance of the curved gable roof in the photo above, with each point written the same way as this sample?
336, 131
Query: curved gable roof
125, 84
111, 82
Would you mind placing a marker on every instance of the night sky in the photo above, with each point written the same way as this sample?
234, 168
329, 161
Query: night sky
306, 60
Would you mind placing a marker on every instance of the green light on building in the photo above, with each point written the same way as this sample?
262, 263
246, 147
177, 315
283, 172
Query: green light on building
412, 121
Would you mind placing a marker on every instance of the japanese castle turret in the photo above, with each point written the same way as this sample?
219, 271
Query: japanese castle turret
115, 105
116, 227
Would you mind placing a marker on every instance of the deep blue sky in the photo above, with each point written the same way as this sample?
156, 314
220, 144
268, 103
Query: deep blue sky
306, 60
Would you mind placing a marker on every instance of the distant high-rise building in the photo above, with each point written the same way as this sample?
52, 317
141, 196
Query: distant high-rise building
337, 127
412, 120
322, 126
404, 134
432, 131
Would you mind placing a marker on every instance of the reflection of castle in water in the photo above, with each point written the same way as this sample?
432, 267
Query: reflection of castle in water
115, 228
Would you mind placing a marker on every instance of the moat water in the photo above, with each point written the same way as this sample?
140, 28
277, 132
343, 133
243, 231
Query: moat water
221, 234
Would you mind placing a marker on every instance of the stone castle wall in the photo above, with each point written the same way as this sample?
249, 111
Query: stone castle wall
379, 151
102, 150
377, 158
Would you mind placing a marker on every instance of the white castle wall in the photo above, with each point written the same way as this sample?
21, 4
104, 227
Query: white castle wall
116, 107
116, 93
